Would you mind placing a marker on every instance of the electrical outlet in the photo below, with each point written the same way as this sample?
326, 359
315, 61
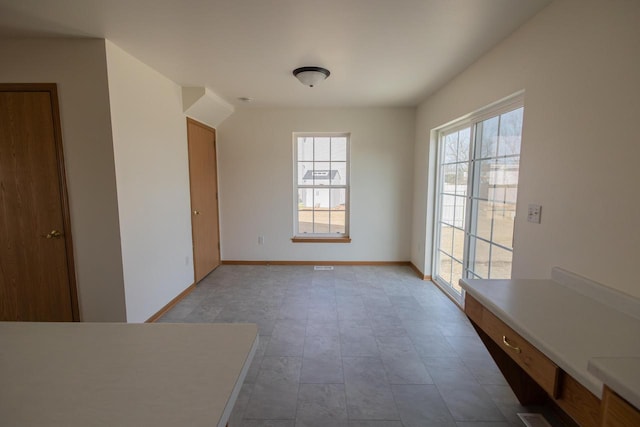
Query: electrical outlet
261, 240
535, 212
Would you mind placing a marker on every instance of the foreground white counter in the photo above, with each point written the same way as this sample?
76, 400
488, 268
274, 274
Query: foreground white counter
107, 374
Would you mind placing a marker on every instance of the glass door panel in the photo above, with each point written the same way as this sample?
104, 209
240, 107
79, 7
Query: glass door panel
453, 195
477, 190
494, 190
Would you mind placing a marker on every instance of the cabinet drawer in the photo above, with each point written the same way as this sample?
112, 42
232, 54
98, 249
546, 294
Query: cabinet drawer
537, 365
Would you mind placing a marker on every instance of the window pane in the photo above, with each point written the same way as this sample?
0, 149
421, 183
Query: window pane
321, 149
337, 221
503, 219
511, 194
447, 206
321, 201
456, 275
305, 148
510, 133
458, 244
459, 211
444, 268
305, 173
500, 263
496, 181
449, 179
497, 193
488, 132
305, 224
506, 180
462, 177
305, 198
321, 173
321, 198
338, 173
464, 140
450, 148
338, 198
484, 214
480, 259
446, 238
305, 210
483, 173
339, 148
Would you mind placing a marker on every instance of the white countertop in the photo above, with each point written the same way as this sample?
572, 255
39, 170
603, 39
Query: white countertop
621, 374
108, 374
568, 327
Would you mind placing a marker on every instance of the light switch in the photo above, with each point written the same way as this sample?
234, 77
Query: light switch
534, 214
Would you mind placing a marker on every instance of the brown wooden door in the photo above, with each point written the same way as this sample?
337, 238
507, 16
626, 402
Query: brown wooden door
36, 269
204, 198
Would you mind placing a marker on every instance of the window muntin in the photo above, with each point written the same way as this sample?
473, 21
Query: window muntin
477, 189
321, 192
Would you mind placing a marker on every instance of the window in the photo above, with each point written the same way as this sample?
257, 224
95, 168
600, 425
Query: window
321, 188
477, 187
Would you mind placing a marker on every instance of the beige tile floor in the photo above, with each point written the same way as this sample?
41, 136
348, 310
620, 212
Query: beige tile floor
357, 346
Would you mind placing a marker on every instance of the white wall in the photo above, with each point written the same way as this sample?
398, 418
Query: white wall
256, 183
152, 171
79, 69
579, 63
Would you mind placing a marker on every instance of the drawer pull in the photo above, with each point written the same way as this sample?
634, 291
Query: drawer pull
511, 346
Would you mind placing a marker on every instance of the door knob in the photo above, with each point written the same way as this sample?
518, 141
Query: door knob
196, 212
54, 234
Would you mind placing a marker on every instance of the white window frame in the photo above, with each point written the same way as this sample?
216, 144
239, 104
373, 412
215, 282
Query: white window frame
346, 186
510, 103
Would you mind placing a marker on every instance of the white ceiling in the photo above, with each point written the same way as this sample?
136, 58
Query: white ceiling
379, 52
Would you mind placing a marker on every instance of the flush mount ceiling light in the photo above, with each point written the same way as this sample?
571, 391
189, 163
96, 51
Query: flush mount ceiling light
311, 76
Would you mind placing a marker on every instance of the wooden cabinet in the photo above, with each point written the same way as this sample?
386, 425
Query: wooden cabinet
617, 412
580, 334
542, 370
530, 373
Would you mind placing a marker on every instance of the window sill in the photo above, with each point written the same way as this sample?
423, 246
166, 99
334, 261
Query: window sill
321, 239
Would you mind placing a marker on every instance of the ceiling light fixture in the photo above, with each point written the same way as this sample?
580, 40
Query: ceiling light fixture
311, 76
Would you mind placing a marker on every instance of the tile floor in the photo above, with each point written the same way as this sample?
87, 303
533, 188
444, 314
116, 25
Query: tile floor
357, 346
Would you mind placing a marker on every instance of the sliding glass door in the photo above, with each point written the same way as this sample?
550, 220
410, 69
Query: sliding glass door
477, 189
453, 198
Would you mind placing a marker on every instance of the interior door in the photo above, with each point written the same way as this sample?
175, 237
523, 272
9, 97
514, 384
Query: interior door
204, 198
36, 265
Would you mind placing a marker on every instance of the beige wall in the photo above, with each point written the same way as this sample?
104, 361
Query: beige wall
256, 183
579, 63
79, 69
152, 171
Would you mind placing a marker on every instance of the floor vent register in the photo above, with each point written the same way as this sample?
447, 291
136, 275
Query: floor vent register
534, 420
